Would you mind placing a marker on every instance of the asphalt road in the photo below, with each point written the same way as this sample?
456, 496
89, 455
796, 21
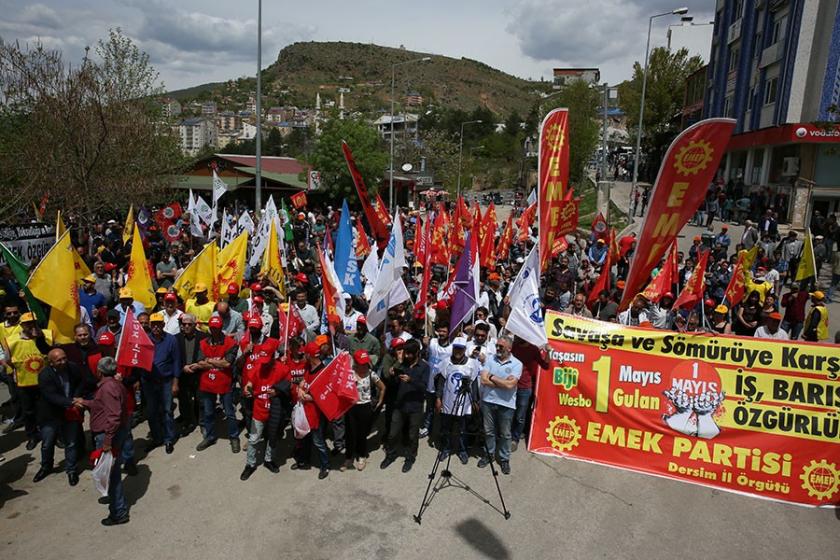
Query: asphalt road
193, 506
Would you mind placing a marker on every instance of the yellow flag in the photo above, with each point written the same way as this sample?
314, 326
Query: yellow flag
807, 264
60, 228
54, 282
231, 263
271, 266
128, 229
139, 280
201, 270
749, 257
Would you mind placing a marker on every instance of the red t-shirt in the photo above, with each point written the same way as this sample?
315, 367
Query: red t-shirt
261, 381
313, 414
216, 380
297, 369
262, 355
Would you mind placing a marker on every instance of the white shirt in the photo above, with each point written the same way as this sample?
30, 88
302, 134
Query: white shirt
483, 300
350, 322
625, 318
310, 317
780, 334
488, 349
438, 356
171, 323
454, 376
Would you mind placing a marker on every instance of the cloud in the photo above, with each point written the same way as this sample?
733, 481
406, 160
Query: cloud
40, 15
602, 33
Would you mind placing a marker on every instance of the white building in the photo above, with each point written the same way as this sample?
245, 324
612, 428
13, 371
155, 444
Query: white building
248, 132
404, 124
195, 134
565, 76
170, 107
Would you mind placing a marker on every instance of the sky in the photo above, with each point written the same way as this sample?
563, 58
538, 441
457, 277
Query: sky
191, 42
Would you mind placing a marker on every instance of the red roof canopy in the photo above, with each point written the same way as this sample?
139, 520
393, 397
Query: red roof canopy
271, 164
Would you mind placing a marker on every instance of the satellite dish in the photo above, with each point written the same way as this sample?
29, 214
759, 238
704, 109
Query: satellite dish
407, 167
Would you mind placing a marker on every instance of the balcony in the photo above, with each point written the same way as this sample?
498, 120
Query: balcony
734, 32
771, 54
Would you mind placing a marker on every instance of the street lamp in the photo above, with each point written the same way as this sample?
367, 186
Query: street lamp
391, 166
677, 12
461, 151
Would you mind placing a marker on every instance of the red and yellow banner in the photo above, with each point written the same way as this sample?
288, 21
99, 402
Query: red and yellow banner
553, 171
745, 415
687, 170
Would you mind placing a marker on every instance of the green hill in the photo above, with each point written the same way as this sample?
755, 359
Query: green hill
364, 72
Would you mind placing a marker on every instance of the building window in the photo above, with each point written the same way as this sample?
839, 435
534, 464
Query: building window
727, 106
779, 29
734, 53
750, 98
770, 91
757, 45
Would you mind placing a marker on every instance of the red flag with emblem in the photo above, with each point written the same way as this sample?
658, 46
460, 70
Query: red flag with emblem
291, 323
334, 390
298, 199
420, 247
488, 238
600, 230
377, 215
664, 280
438, 246
695, 286
603, 281
505, 241
462, 213
362, 243
525, 222
735, 290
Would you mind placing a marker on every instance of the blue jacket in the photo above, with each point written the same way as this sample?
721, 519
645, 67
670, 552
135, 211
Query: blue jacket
168, 362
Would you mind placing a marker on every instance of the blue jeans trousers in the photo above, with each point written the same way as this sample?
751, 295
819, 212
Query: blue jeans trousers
520, 418
208, 414
497, 421
49, 433
117, 505
158, 397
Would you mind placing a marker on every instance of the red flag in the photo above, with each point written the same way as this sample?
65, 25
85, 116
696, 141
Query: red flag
696, 285
462, 213
420, 247
664, 280
378, 226
362, 242
567, 217
437, 245
525, 221
334, 389
616, 254
553, 176
423, 296
299, 199
600, 230
331, 292
381, 211
505, 241
487, 254
687, 170
291, 324
735, 290
476, 221
136, 349
603, 281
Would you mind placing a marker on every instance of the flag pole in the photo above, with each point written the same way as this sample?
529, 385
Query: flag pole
288, 319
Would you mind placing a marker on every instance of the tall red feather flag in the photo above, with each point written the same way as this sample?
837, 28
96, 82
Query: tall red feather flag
374, 214
488, 238
505, 241
696, 285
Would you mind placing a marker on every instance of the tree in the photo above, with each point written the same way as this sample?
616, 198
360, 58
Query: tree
89, 137
582, 100
667, 72
364, 141
439, 150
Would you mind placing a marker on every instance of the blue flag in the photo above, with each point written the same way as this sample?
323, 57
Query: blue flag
346, 265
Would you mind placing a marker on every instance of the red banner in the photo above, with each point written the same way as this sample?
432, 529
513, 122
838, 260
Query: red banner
334, 389
553, 172
746, 415
378, 226
136, 349
299, 199
687, 170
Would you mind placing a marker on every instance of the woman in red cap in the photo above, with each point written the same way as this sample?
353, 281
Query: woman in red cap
360, 418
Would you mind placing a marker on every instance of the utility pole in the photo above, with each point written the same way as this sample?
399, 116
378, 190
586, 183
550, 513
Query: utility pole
258, 188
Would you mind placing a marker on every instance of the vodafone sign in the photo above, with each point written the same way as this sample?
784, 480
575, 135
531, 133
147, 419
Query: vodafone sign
787, 134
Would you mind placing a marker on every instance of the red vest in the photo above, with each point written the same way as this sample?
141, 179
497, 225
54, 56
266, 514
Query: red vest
216, 380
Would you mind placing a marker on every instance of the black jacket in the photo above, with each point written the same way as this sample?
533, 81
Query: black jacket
54, 401
182, 347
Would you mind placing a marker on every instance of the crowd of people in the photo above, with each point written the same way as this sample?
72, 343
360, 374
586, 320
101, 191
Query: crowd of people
219, 357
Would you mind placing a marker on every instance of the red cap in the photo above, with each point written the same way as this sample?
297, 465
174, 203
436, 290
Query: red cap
668, 294
397, 342
256, 287
215, 322
170, 297
233, 289
312, 349
361, 320
775, 315
255, 322
259, 300
441, 305
710, 302
361, 357
301, 277
109, 267
106, 339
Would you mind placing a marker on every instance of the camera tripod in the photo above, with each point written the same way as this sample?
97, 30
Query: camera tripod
446, 479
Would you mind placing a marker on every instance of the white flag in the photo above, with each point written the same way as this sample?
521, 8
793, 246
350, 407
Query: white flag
370, 269
260, 239
526, 316
532, 198
399, 255
191, 204
203, 211
219, 188
386, 290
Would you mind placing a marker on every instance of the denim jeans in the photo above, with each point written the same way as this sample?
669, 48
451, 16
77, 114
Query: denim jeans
49, 432
127, 452
453, 433
497, 421
793, 329
208, 417
256, 432
303, 447
117, 506
158, 398
523, 402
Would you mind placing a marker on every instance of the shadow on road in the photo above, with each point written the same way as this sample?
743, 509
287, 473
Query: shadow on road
481, 538
11, 471
136, 486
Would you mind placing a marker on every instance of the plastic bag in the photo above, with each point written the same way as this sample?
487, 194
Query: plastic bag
299, 421
102, 473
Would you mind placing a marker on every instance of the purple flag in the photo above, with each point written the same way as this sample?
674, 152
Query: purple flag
465, 285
